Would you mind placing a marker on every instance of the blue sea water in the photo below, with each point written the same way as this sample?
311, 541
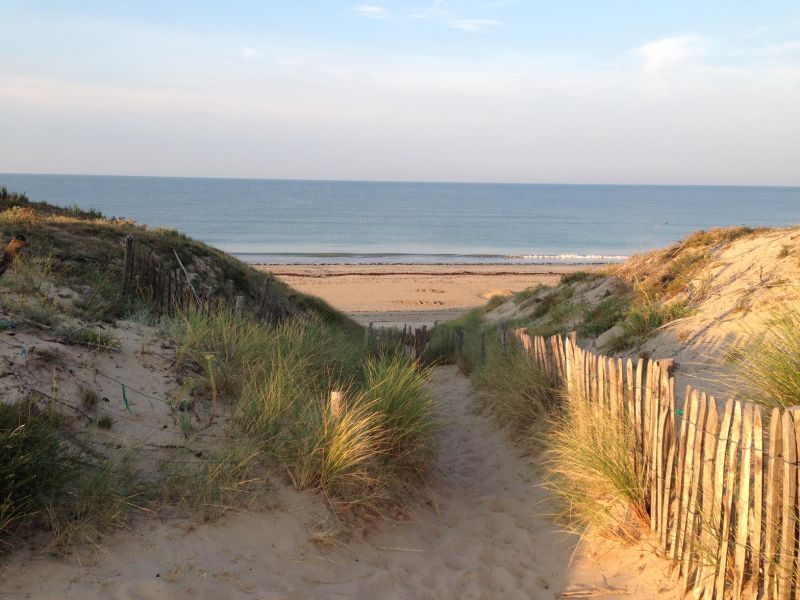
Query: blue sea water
299, 222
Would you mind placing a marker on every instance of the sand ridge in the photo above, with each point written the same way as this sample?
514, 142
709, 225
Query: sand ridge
482, 532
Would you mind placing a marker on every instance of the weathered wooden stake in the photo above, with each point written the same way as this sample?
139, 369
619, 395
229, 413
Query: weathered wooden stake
336, 403
239, 307
127, 275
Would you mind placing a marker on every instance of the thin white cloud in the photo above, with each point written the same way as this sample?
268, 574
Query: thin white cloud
670, 52
250, 53
475, 25
435, 5
372, 10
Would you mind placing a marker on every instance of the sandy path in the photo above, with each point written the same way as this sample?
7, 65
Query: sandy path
482, 534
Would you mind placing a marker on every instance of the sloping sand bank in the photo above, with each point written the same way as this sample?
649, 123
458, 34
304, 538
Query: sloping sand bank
482, 533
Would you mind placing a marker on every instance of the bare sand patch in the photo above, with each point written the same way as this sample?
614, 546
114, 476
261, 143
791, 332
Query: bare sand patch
401, 294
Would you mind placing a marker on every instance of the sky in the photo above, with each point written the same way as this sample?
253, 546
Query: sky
593, 91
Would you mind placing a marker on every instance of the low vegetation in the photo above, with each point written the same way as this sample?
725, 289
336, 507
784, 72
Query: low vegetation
45, 486
592, 468
366, 451
766, 366
515, 393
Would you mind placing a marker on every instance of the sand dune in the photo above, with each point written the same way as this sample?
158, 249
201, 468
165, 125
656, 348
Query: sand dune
482, 531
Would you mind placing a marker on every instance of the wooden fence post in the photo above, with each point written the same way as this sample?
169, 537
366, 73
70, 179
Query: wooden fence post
127, 275
238, 308
336, 404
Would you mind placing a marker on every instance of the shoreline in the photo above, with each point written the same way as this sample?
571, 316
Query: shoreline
415, 294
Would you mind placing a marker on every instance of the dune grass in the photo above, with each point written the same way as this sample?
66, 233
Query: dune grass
592, 469
45, 486
516, 393
277, 381
766, 366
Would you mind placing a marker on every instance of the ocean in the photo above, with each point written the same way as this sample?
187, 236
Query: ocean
340, 222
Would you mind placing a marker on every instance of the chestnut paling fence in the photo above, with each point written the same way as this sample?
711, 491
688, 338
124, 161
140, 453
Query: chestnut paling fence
721, 481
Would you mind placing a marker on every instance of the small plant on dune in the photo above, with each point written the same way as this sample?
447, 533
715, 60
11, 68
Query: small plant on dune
580, 277
593, 471
31, 273
766, 367
209, 487
89, 337
521, 297
339, 454
643, 318
494, 302
604, 316
105, 422
555, 298
89, 398
98, 499
35, 314
786, 250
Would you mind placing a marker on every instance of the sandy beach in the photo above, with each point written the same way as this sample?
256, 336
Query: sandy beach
414, 294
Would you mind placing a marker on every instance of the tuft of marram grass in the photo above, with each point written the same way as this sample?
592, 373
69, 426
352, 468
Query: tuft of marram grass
515, 392
406, 411
766, 367
592, 469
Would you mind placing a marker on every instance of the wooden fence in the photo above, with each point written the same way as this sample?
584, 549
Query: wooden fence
382, 340
165, 283
721, 480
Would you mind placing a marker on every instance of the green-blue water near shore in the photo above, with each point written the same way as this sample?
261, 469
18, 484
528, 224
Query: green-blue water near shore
287, 221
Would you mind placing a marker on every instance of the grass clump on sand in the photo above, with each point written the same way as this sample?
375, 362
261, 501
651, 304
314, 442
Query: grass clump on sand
642, 318
32, 464
604, 316
44, 486
277, 380
592, 469
580, 277
766, 368
515, 392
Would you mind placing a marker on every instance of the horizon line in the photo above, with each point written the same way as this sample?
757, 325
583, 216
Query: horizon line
401, 181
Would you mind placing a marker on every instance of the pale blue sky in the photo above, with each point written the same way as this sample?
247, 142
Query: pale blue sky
473, 90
